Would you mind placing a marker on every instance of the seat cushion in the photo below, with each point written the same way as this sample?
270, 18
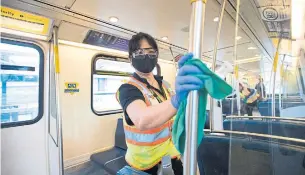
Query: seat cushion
116, 165
111, 160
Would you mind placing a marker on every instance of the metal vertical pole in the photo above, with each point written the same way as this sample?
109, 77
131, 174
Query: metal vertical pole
275, 63
236, 80
273, 94
195, 45
237, 90
235, 57
232, 101
262, 64
281, 83
285, 84
214, 60
57, 93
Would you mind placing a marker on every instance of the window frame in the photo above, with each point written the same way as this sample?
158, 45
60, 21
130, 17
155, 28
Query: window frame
40, 83
93, 72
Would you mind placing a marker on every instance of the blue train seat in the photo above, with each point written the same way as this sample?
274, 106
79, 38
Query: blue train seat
265, 107
227, 107
217, 155
278, 128
114, 159
244, 155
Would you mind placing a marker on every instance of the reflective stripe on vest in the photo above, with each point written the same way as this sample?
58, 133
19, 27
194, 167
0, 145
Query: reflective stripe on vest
148, 137
250, 97
143, 89
146, 148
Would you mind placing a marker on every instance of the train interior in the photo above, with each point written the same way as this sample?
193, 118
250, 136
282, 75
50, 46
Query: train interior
62, 62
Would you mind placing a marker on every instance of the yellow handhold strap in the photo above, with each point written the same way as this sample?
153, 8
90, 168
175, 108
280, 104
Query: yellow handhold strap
276, 57
56, 58
275, 61
236, 71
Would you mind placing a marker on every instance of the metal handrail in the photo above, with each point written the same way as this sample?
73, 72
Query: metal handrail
256, 134
262, 117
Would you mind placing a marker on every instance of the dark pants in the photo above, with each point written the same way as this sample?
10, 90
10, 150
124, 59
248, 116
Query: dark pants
176, 165
249, 107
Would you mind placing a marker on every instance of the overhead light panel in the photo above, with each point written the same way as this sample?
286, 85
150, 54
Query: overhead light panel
251, 48
87, 46
249, 60
164, 38
216, 19
113, 19
238, 37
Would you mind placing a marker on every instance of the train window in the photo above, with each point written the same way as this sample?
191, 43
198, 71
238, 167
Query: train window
108, 74
21, 83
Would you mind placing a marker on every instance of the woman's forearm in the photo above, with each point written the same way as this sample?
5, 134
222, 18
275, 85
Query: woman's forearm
147, 117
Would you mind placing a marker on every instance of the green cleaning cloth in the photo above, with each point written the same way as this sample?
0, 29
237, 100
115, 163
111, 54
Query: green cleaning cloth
215, 87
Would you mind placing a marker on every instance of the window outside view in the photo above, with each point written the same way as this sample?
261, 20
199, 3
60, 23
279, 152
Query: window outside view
19, 83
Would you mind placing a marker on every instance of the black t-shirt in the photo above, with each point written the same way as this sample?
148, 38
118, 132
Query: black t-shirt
129, 93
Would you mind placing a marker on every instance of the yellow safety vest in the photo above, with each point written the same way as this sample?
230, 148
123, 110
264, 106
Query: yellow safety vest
147, 147
249, 98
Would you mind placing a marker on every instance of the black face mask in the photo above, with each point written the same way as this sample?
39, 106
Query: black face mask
144, 63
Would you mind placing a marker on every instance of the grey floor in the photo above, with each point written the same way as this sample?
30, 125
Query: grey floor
88, 168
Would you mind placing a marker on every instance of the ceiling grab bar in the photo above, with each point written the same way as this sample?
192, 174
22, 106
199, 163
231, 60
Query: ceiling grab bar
195, 46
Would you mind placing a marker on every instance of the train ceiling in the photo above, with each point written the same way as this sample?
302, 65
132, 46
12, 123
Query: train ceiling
159, 18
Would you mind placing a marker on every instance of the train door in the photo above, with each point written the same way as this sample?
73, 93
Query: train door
29, 126
24, 108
